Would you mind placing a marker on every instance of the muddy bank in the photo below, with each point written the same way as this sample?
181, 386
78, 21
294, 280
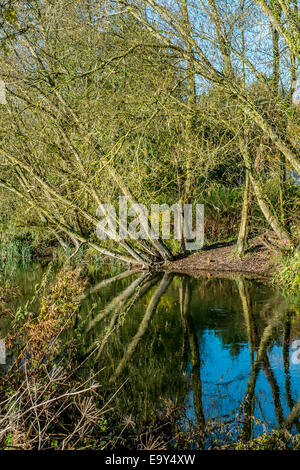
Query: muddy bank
215, 260
221, 260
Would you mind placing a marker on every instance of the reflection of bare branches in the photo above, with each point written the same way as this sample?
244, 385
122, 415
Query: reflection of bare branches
245, 299
184, 324
249, 320
189, 331
139, 293
293, 417
110, 280
266, 338
118, 302
286, 363
274, 389
164, 284
275, 303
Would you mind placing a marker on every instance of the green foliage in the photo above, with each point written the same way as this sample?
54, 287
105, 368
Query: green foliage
125, 109
15, 251
222, 212
288, 275
222, 199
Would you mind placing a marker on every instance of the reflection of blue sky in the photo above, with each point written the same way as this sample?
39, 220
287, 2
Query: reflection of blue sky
224, 380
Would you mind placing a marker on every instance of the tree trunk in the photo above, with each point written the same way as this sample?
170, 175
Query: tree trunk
242, 238
158, 244
263, 202
268, 130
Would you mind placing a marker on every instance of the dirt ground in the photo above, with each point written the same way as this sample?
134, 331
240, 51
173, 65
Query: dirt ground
220, 259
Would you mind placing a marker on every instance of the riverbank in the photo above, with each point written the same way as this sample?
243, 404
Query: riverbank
222, 260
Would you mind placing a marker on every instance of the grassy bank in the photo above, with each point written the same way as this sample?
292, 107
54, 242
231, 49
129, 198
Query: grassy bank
287, 276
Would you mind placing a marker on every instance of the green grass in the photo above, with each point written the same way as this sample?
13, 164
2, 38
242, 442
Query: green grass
288, 275
15, 252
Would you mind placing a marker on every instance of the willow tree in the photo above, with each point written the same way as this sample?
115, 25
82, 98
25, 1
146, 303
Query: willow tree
82, 112
286, 24
220, 56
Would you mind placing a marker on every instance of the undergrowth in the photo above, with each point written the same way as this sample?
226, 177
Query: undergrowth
287, 276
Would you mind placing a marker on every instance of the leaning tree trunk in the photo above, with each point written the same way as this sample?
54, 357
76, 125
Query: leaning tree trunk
269, 131
241, 243
242, 238
191, 102
157, 243
263, 202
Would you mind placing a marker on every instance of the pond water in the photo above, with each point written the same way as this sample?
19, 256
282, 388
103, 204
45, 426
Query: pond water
220, 350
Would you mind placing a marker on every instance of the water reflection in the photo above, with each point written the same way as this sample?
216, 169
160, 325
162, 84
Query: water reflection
217, 349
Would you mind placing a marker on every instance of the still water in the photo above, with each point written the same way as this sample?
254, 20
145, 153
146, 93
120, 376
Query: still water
220, 350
